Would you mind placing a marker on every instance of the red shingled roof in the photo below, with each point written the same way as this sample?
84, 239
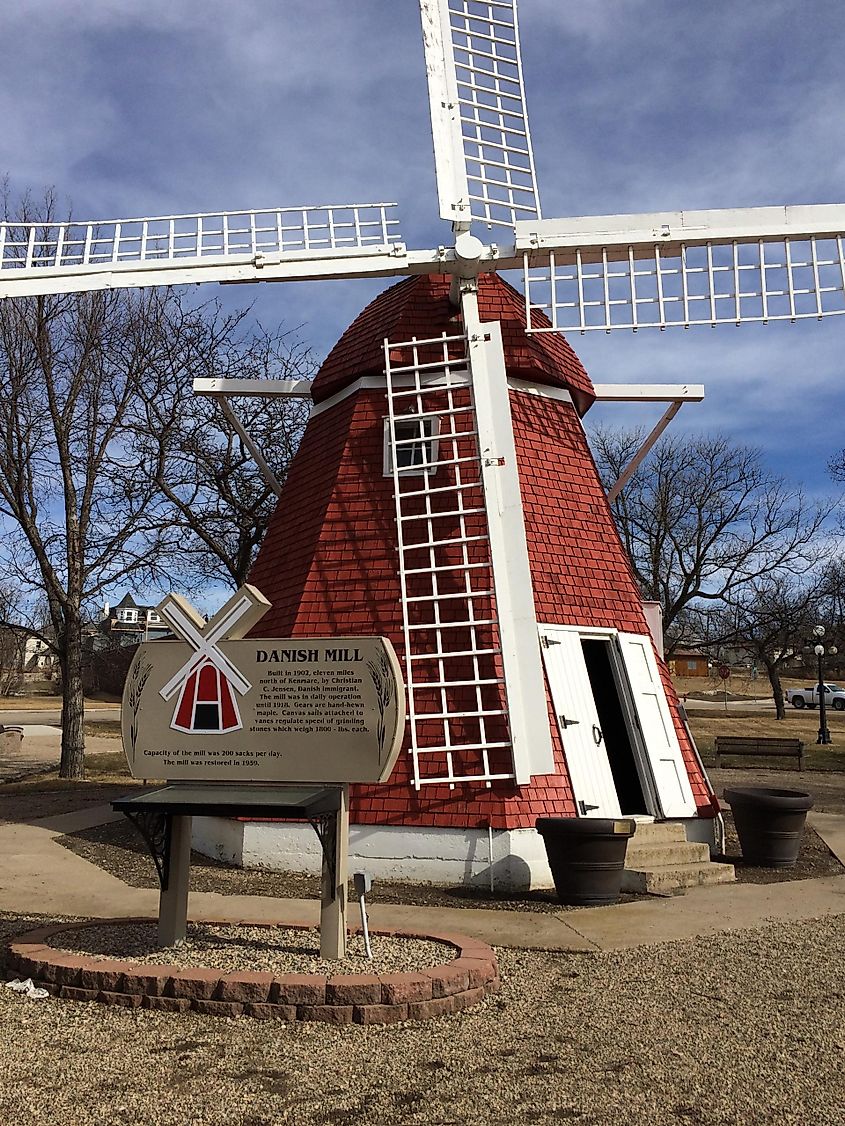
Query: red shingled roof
420, 307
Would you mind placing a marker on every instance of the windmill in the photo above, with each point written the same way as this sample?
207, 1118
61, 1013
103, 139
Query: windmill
478, 703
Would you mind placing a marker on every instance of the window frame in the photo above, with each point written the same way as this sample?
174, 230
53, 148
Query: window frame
429, 438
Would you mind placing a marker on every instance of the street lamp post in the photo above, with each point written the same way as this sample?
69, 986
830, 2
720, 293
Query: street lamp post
819, 650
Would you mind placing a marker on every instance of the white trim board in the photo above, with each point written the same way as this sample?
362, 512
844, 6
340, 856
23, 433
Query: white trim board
378, 383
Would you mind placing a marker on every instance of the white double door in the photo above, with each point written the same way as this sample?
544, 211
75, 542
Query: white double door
641, 755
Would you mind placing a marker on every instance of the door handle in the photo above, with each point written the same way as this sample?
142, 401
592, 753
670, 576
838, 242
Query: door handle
597, 735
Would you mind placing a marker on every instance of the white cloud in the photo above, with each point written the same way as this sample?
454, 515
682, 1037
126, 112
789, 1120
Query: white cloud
180, 105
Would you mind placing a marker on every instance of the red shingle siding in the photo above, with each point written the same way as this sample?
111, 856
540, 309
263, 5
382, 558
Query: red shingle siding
581, 573
329, 564
420, 307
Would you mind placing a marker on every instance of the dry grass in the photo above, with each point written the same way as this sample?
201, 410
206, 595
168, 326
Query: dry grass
803, 725
29, 703
47, 795
100, 766
49, 701
108, 728
742, 684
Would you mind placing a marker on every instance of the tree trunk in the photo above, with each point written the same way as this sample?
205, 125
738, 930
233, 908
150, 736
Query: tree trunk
73, 705
777, 692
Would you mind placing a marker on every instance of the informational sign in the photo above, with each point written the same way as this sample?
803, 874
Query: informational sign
213, 706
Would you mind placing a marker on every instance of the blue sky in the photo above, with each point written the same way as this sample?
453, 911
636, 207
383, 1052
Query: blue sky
168, 106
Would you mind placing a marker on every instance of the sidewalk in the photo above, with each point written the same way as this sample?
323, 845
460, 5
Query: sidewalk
40, 876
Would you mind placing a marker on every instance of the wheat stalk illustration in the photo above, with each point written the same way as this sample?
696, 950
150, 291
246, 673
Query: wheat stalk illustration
140, 675
382, 678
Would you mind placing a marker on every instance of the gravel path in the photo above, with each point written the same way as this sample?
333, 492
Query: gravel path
744, 1029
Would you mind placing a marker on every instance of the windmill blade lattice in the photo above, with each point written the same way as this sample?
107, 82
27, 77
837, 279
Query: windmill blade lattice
292, 242
482, 143
684, 268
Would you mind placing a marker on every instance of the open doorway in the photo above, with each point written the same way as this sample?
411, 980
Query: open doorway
616, 728
613, 727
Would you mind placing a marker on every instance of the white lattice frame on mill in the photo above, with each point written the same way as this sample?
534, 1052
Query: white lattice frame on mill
408, 385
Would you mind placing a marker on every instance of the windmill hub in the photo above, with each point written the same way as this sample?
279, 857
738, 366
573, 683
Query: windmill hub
468, 252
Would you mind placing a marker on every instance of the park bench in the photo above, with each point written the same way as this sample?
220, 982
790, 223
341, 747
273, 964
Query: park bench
759, 745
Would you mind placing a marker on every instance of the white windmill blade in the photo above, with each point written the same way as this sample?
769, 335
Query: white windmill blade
277, 244
655, 270
482, 144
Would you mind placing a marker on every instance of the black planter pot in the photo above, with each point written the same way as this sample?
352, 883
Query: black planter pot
769, 824
586, 856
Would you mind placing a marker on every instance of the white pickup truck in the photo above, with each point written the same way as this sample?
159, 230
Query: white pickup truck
834, 696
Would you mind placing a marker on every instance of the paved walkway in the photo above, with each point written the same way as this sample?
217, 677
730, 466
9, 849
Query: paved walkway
39, 875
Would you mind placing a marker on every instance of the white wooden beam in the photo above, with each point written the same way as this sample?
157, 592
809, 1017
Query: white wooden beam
649, 392
643, 451
446, 129
257, 456
267, 388
521, 660
590, 234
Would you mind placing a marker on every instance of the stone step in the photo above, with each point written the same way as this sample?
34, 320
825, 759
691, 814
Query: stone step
664, 879
648, 832
666, 852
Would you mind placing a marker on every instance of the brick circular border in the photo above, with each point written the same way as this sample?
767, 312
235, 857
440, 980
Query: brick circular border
335, 999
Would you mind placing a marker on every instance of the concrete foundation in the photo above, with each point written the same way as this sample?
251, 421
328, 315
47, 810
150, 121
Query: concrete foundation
514, 860
443, 856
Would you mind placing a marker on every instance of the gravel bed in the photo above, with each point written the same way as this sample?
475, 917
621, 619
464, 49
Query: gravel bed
814, 860
745, 1028
230, 948
118, 849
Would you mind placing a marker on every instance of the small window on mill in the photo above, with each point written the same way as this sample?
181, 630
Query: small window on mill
416, 445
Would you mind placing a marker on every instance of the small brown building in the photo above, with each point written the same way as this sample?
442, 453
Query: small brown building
689, 662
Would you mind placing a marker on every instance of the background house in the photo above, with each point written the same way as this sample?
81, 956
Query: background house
127, 623
689, 662
112, 642
25, 658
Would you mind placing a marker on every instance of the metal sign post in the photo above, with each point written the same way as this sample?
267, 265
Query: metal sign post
725, 673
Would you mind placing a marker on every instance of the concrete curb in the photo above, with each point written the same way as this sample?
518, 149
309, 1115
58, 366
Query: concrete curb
335, 999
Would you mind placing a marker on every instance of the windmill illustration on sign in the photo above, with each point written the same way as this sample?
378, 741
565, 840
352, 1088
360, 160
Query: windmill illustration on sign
208, 681
444, 494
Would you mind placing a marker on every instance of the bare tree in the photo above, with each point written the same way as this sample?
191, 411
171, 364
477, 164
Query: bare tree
771, 618
81, 513
836, 467
702, 519
80, 510
218, 499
